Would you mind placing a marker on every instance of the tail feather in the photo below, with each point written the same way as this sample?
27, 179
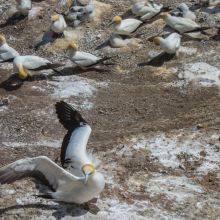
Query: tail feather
48, 195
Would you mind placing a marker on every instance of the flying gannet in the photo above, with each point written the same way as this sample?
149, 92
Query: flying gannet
24, 64
171, 44
180, 24
7, 53
58, 23
65, 185
125, 27
83, 59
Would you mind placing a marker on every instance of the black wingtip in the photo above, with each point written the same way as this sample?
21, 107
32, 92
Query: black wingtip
68, 116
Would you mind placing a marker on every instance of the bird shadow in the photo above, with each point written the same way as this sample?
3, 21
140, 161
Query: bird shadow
13, 20
75, 70
158, 60
12, 83
103, 45
48, 37
60, 209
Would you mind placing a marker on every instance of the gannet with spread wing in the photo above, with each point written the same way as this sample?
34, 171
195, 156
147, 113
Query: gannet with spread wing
66, 186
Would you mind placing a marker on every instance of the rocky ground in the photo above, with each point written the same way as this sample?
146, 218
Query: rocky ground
155, 128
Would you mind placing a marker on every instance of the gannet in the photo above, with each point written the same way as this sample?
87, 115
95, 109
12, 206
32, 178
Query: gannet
137, 7
210, 3
185, 12
171, 44
58, 24
117, 41
83, 59
24, 6
146, 9
180, 24
35, 12
79, 14
63, 6
66, 186
6, 52
24, 64
125, 27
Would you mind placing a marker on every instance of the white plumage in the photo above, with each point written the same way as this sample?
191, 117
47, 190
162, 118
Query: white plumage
6, 52
117, 41
137, 7
186, 13
146, 10
83, 59
125, 27
58, 24
22, 65
180, 24
171, 44
66, 186
30, 62
24, 6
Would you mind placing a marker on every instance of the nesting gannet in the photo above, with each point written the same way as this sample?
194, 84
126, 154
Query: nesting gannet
210, 3
185, 12
86, 9
171, 44
64, 5
83, 59
66, 186
35, 12
78, 14
58, 24
24, 64
137, 7
125, 27
117, 41
180, 24
146, 9
6, 52
24, 6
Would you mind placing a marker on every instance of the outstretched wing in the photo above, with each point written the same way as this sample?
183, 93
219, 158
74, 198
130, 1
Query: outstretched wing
41, 168
73, 151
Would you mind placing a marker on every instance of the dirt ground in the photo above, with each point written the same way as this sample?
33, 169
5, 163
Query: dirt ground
155, 132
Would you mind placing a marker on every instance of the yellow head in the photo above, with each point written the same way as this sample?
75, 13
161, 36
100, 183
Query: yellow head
22, 73
88, 170
117, 19
55, 17
2, 40
164, 15
72, 46
157, 40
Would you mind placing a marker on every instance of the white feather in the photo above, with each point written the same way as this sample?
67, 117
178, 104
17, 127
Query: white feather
127, 26
7, 52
